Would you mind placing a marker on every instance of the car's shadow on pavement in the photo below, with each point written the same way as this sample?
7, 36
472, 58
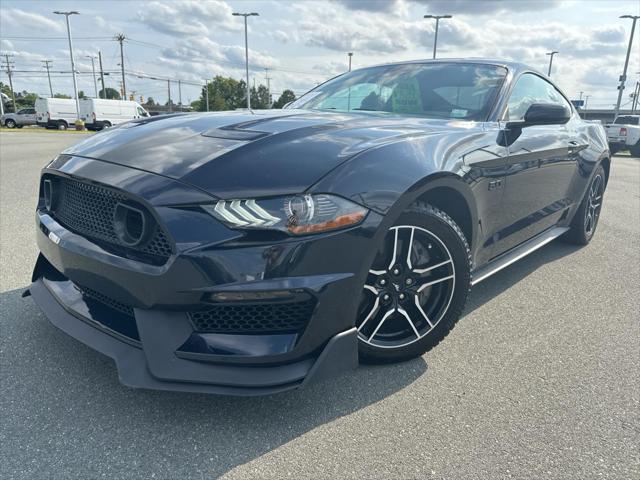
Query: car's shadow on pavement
59, 396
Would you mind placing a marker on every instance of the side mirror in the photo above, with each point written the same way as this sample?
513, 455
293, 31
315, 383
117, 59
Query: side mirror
546, 114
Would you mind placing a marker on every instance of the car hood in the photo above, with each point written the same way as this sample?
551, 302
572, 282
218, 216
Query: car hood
241, 153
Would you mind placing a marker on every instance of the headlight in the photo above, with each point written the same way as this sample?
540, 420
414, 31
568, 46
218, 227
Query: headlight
297, 215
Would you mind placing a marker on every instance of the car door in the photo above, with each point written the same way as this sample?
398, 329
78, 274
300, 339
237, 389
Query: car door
541, 162
30, 116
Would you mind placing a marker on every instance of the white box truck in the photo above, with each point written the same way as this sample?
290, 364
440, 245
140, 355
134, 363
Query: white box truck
57, 113
98, 113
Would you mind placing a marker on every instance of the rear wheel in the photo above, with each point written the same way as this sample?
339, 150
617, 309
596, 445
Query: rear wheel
10, 123
584, 223
62, 125
416, 288
106, 125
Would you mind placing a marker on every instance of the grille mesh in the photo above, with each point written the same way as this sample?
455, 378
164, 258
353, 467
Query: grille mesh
254, 318
108, 301
89, 211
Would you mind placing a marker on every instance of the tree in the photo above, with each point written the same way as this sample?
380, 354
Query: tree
81, 95
286, 97
224, 94
60, 95
150, 102
260, 97
111, 94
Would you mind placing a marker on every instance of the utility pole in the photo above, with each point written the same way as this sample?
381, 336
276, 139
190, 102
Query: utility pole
93, 69
636, 92
73, 64
246, 51
350, 54
180, 94
104, 92
435, 40
586, 100
623, 77
551, 54
268, 80
120, 38
8, 63
206, 92
47, 66
169, 94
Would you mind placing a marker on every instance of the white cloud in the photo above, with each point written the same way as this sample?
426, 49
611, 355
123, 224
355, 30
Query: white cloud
187, 17
15, 17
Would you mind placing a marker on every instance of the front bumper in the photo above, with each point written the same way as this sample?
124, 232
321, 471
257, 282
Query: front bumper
157, 344
153, 364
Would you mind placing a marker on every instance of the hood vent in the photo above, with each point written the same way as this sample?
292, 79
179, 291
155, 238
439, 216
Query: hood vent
233, 134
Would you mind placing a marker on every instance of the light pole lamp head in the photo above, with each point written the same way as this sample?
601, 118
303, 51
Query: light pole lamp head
634, 17
72, 12
438, 16
552, 52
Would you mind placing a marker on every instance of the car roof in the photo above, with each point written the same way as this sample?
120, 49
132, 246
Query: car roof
510, 65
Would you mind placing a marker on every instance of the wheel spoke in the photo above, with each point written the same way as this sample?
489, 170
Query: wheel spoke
384, 319
419, 307
420, 271
395, 249
433, 282
371, 313
404, 313
410, 248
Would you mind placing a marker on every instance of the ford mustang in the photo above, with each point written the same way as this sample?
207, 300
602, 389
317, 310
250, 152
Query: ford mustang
252, 252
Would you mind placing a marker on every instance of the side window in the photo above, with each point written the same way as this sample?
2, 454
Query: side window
23, 111
531, 89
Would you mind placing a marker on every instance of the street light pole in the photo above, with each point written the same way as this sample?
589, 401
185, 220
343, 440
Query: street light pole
350, 55
93, 69
551, 54
246, 51
73, 63
623, 77
435, 40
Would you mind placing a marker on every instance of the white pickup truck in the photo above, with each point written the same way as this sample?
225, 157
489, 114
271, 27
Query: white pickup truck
624, 133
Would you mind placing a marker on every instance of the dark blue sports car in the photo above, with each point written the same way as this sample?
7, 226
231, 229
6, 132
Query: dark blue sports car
251, 252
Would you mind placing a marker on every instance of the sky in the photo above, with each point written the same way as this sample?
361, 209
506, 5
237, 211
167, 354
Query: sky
304, 42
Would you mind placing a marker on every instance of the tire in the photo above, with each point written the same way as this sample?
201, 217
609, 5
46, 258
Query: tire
582, 230
19, 126
635, 150
106, 125
10, 123
416, 289
62, 125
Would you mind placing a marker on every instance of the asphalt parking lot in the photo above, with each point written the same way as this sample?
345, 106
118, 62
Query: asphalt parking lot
538, 380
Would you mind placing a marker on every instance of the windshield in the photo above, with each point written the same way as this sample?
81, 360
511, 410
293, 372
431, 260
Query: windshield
627, 120
437, 90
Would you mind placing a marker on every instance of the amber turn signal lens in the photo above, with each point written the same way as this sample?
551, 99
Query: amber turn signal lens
339, 222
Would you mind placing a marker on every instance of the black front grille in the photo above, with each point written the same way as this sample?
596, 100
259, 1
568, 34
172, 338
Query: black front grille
88, 210
253, 318
107, 301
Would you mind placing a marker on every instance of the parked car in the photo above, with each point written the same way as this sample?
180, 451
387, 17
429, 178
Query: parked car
624, 133
26, 116
98, 113
251, 252
59, 113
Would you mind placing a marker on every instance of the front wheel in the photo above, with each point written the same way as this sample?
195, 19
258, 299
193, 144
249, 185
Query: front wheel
10, 124
62, 125
416, 288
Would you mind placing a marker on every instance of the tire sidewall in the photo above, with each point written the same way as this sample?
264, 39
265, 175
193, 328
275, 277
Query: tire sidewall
459, 250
